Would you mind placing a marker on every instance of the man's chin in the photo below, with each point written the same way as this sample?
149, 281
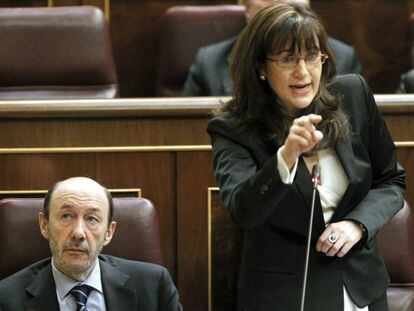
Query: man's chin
77, 269
79, 261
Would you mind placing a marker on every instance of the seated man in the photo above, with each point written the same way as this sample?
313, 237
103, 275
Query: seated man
77, 221
209, 75
406, 83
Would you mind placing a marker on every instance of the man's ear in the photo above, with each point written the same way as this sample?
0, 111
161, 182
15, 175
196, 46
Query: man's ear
109, 233
43, 225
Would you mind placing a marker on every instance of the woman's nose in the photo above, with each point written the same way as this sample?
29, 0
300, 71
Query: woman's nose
301, 68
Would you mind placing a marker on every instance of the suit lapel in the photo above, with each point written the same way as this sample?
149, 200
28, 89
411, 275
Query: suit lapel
43, 292
118, 296
346, 156
303, 183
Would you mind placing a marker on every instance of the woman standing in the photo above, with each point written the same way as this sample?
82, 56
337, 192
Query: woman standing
288, 113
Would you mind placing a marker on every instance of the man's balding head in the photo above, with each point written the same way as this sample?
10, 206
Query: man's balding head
254, 6
79, 184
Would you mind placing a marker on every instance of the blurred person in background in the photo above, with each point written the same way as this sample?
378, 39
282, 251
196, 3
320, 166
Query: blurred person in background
209, 75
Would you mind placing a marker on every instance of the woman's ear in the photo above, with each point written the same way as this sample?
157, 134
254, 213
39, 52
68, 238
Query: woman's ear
262, 75
261, 69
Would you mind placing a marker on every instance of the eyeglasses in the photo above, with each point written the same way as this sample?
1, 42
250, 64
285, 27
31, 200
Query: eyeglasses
290, 61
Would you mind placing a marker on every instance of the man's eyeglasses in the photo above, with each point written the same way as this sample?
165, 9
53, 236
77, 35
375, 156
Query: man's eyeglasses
290, 61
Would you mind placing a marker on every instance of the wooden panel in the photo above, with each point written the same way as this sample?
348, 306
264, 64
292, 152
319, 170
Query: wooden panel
400, 126
22, 3
92, 123
194, 176
379, 30
225, 253
140, 122
103, 132
99, 3
154, 173
398, 112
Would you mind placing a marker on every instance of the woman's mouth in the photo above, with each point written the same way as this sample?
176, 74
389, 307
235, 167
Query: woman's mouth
300, 89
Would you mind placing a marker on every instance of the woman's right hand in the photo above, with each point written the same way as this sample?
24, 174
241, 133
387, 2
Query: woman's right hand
303, 137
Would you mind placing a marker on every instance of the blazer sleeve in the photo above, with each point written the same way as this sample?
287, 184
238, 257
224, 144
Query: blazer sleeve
251, 193
385, 196
168, 296
356, 66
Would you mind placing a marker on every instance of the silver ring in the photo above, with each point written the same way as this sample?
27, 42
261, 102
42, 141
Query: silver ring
333, 238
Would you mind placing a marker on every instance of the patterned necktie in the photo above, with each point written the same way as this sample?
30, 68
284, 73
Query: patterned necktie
80, 293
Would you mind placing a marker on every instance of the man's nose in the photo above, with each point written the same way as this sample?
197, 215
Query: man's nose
78, 230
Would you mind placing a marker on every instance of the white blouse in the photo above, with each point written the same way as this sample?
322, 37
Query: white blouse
331, 189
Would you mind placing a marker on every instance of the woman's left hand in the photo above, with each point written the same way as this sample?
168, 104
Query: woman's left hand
339, 237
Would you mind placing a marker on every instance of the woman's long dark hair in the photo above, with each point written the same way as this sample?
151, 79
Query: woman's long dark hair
254, 107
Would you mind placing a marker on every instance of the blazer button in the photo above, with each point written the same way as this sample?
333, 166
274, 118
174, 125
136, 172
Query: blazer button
264, 189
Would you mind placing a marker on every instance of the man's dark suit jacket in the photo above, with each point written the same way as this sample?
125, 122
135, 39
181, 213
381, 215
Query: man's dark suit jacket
127, 285
406, 82
275, 215
209, 74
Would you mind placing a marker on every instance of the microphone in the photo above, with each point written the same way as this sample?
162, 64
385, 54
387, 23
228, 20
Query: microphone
316, 172
316, 175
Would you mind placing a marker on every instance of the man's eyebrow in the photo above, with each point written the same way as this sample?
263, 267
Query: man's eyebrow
89, 208
66, 206
93, 209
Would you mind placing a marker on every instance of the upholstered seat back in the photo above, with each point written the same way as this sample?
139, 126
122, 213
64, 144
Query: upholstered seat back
396, 242
59, 52
136, 237
186, 29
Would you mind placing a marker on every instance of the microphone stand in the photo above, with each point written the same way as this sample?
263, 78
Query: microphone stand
316, 171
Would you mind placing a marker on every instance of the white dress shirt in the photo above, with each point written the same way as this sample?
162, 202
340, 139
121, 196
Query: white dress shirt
331, 189
96, 299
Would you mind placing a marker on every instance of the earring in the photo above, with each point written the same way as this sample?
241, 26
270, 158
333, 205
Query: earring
262, 77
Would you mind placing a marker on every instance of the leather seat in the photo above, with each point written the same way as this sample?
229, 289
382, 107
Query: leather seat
396, 243
186, 29
137, 235
59, 52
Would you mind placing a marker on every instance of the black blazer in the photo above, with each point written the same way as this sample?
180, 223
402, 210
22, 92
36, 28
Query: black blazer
275, 215
209, 74
127, 285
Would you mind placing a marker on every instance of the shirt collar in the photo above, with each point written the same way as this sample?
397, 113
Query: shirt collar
64, 283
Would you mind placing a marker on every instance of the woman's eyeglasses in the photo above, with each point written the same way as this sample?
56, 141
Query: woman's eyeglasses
290, 61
